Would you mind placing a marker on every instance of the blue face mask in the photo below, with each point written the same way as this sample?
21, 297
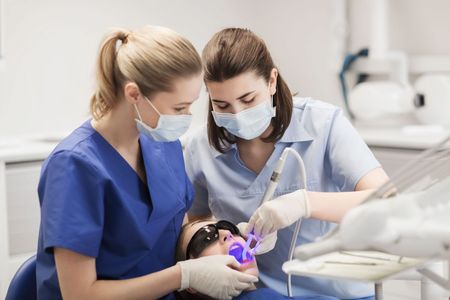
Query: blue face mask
169, 127
249, 123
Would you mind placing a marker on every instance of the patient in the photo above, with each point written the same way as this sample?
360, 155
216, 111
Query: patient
211, 237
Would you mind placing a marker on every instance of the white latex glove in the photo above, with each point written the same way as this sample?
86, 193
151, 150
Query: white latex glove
279, 213
266, 243
213, 276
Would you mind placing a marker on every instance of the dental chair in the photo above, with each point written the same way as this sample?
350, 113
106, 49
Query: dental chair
23, 284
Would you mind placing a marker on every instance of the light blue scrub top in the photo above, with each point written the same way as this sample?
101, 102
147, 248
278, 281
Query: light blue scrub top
335, 157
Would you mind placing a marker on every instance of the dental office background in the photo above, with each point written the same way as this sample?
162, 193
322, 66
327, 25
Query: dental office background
47, 57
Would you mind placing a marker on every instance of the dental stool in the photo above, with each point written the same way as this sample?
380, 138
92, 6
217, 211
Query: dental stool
23, 284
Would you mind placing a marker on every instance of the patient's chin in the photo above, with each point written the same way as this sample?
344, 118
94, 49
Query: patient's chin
250, 268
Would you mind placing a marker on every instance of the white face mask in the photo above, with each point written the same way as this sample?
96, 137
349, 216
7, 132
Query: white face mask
249, 123
169, 127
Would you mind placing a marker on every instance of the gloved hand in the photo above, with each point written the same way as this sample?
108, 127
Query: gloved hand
279, 213
213, 276
266, 243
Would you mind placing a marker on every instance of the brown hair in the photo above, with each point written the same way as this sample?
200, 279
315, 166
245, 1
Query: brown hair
180, 253
234, 51
152, 57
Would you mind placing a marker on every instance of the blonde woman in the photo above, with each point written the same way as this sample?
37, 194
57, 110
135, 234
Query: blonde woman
113, 194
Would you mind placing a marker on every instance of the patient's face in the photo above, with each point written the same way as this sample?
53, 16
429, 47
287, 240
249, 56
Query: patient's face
221, 246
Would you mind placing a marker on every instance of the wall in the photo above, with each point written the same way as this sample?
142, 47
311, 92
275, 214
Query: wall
51, 46
416, 26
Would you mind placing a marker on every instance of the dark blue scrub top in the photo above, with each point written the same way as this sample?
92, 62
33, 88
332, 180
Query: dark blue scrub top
94, 203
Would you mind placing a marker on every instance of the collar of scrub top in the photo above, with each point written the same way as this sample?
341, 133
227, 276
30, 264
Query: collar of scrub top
166, 190
296, 132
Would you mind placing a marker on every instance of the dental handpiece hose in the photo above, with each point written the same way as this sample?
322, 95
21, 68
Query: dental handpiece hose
275, 178
268, 194
273, 183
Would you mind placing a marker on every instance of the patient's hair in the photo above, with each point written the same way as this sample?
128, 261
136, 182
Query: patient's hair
180, 254
152, 57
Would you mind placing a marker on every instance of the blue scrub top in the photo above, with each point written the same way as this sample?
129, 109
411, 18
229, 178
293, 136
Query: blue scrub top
94, 203
335, 157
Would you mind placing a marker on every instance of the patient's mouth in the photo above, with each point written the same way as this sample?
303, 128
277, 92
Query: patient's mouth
237, 250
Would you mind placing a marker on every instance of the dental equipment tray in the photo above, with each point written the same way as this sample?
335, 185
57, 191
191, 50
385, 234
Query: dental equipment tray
366, 266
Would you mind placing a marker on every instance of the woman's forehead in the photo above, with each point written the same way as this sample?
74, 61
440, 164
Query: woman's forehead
231, 89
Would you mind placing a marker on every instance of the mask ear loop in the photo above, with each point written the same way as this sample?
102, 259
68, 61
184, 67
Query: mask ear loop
137, 111
151, 104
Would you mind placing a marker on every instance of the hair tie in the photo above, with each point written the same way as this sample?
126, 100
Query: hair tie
124, 37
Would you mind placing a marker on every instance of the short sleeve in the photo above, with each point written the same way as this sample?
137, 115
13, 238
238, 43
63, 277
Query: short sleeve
200, 205
72, 208
349, 156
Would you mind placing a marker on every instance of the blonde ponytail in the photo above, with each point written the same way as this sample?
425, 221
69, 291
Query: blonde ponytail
152, 57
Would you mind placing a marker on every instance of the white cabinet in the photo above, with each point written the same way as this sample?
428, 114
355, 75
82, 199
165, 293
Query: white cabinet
395, 147
22, 206
20, 167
